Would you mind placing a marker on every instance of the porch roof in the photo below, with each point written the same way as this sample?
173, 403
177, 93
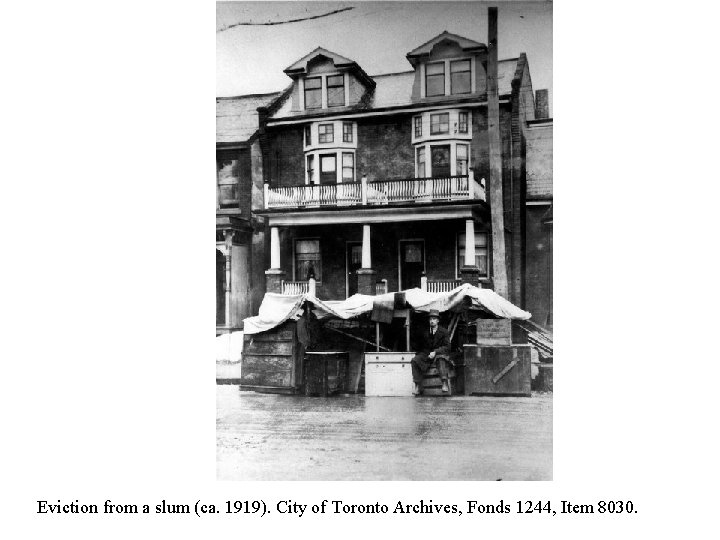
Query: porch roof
376, 214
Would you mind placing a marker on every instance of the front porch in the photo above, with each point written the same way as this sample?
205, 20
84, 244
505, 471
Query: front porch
336, 260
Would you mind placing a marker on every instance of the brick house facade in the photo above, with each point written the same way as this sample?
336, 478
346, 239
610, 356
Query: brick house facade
381, 183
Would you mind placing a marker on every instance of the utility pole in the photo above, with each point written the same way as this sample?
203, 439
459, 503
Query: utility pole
497, 219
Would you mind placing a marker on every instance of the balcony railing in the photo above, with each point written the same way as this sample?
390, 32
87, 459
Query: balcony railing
378, 192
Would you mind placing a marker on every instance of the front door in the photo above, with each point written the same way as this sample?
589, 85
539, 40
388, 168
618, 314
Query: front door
412, 263
353, 262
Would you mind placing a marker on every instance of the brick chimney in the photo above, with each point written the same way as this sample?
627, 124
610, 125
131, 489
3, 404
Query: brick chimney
541, 104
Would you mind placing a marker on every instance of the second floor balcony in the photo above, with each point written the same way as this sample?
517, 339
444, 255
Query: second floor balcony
376, 192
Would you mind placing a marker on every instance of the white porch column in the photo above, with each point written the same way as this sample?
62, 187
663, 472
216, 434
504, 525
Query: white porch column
366, 262
274, 247
469, 242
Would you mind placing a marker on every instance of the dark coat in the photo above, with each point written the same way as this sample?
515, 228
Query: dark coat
440, 342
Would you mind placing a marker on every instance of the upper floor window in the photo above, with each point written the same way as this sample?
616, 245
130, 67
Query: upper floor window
326, 133
439, 123
313, 93
461, 159
348, 167
310, 166
308, 136
435, 79
460, 77
336, 91
347, 132
420, 153
418, 126
463, 122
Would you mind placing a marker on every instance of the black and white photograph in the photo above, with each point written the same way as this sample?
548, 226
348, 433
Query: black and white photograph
384, 241
391, 293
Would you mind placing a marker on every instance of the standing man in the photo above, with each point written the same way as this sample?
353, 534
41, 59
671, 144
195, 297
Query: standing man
434, 342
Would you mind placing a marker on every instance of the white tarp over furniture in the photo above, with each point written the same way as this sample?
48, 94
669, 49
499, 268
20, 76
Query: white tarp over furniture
277, 308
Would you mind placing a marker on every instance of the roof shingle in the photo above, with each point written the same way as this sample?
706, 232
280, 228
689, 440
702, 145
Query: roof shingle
236, 118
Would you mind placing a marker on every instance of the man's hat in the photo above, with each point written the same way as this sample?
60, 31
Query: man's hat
434, 313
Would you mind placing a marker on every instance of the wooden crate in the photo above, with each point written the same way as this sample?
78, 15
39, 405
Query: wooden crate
494, 332
501, 370
271, 360
388, 374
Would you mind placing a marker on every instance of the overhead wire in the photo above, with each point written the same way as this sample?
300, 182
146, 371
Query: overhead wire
275, 23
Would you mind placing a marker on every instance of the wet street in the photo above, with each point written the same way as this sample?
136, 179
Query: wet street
275, 437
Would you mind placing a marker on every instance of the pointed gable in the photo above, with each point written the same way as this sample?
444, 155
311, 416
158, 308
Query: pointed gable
300, 67
424, 50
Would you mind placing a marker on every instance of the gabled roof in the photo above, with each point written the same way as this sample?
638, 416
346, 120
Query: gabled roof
300, 67
464, 43
236, 118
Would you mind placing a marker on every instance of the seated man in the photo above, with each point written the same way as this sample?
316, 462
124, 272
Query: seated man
434, 342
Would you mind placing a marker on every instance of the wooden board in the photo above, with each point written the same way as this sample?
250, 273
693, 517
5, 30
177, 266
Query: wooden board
497, 370
284, 348
494, 332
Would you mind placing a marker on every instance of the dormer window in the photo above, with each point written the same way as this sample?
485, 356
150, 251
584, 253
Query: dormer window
435, 79
460, 77
336, 91
323, 79
448, 65
439, 123
313, 93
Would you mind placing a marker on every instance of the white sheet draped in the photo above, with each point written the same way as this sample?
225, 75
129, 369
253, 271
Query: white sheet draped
277, 308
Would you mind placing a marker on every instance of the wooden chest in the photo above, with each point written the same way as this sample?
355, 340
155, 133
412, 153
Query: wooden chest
500, 370
388, 374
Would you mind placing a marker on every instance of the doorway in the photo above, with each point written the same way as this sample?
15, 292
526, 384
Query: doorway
412, 263
328, 169
353, 262
440, 156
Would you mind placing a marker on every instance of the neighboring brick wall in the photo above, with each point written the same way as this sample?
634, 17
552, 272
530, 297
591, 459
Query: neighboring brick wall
385, 149
481, 74
540, 162
479, 154
538, 265
286, 161
542, 107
